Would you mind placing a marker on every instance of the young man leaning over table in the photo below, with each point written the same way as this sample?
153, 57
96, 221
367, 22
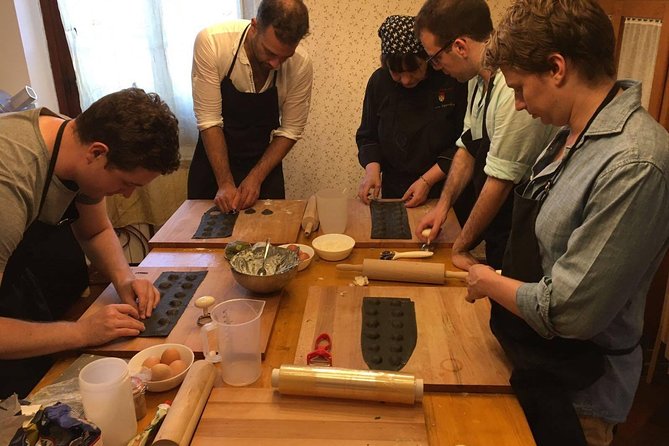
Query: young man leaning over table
58, 171
499, 144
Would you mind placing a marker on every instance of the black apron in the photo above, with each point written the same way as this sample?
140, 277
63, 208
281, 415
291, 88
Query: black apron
248, 121
545, 371
42, 278
497, 232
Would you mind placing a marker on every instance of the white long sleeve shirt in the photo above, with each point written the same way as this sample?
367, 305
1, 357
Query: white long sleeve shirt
213, 52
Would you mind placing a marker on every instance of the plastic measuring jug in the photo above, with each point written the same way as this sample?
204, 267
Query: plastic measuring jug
332, 206
237, 322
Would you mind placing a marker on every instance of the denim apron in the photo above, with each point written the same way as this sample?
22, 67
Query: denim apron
248, 121
545, 371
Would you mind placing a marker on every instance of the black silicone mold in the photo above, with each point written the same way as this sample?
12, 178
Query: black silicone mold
176, 290
216, 224
390, 220
388, 335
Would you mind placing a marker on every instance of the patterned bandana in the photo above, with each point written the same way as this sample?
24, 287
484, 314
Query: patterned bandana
397, 36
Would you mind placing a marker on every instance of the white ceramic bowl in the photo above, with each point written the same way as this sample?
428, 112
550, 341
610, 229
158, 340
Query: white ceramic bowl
333, 247
303, 248
135, 365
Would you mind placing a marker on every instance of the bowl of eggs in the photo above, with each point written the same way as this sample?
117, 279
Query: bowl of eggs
304, 254
166, 364
333, 247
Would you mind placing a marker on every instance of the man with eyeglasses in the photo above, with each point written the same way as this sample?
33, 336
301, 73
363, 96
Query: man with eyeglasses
498, 145
251, 94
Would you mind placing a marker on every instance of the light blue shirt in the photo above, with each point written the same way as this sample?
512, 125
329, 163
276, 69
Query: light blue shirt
603, 231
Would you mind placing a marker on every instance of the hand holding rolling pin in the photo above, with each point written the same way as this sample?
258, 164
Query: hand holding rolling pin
481, 279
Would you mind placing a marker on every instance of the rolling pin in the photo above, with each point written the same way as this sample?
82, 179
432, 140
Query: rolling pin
310, 217
182, 418
403, 271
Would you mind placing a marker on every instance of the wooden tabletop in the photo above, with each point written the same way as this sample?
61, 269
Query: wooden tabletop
279, 220
359, 227
451, 418
218, 283
284, 226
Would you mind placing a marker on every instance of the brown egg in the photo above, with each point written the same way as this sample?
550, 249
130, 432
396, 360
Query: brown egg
160, 372
177, 367
170, 355
151, 361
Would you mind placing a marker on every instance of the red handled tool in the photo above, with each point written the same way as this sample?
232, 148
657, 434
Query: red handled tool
321, 354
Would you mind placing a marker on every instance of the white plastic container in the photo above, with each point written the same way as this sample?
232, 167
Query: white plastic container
332, 205
106, 393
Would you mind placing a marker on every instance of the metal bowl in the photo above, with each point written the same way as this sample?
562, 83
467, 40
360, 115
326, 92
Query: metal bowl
281, 266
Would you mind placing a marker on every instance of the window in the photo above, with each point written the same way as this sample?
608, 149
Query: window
142, 43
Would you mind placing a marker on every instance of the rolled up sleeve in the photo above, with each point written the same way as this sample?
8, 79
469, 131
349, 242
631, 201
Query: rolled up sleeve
516, 142
295, 106
607, 255
206, 82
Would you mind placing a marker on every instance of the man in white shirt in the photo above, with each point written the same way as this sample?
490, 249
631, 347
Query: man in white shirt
251, 94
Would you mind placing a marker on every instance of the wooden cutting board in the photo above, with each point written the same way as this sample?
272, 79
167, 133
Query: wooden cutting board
218, 283
245, 416
282, 226
455, 350
359, 226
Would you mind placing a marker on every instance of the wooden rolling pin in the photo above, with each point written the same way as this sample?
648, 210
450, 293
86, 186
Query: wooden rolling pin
310, 217
403, 271
182, 418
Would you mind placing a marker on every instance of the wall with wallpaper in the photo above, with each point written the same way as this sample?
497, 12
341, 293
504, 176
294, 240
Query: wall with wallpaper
345, 49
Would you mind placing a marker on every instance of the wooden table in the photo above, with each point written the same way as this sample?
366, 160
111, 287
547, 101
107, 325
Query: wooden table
359, 226
218, 283
451, 418
281, 226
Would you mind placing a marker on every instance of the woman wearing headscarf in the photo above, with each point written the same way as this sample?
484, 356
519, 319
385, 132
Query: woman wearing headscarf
412, 115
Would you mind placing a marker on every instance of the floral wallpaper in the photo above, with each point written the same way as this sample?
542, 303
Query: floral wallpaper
345, 49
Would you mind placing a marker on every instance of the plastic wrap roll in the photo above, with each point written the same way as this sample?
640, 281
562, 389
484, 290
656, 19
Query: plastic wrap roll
335, 382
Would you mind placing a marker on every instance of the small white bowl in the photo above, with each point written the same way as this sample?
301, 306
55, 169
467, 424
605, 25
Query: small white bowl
303, 248
135, 365
333, 247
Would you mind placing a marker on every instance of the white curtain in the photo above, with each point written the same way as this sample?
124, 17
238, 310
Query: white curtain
143, 43
641, 38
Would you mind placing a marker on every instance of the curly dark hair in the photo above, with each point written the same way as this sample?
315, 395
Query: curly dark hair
449, 19
532, 30
139, 129
289, 18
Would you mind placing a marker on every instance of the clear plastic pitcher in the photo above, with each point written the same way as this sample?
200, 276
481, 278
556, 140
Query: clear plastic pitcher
332, 205
237, 322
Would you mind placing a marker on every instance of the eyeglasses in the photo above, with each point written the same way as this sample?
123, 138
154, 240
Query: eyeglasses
433, 58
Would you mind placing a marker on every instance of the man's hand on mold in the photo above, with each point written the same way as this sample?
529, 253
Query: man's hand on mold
141, 294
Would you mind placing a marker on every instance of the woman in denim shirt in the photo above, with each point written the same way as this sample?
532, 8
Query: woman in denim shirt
590, 228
